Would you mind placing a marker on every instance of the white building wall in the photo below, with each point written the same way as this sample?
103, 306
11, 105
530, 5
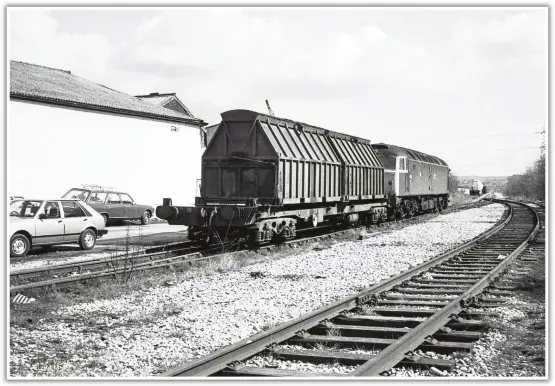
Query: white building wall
51, 150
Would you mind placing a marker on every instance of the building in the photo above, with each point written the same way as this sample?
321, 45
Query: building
169, 101
463, 189
65, 131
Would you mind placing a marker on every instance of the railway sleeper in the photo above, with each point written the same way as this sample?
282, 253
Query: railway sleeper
487, 300
253, 371
392, 333
426, 312
482, 258
499, 293
378, 343
426, 285
430, 291
403, 321
444, 281
409, 297
477, 262
441, 276
489, 246
350, 359
411, 303
502, 287
464, 265
490, 253
460, 270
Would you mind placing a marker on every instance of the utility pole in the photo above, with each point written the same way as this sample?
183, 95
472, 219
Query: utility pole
543, 139
269, 109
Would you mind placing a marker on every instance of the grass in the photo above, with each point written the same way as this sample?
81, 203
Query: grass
522, 351
534, 281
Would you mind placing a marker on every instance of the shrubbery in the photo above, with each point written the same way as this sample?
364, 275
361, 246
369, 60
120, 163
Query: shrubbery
531, 184
453, 183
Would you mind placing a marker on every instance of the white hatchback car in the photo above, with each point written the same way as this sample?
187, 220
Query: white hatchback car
50, 222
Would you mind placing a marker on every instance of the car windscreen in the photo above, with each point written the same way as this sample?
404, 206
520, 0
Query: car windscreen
24, 208
77, 194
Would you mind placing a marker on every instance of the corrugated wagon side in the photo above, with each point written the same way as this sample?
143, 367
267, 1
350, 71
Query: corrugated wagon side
362, 170
308, 169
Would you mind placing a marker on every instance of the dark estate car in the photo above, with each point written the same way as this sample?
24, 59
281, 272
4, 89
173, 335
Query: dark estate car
112, 205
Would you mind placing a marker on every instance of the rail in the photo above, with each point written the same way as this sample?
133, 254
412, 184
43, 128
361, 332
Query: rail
226, 359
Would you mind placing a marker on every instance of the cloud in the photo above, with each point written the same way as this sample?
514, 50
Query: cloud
516, 36
33, 38
254, 52
398, 75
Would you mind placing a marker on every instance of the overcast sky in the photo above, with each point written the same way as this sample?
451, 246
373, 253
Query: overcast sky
468, 85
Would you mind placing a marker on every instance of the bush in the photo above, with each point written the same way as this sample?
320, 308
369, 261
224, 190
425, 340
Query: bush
531, 184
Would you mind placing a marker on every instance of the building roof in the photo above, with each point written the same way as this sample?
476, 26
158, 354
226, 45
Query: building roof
156, 98
34, 83
165, 100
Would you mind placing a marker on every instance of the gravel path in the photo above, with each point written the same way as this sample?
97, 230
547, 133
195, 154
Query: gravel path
145, 332
49, 261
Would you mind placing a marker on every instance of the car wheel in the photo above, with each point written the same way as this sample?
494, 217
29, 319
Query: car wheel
87, 239
105, 217
145, 219
19, 245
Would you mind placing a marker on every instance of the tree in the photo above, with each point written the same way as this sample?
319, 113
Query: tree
531, 184
453, 182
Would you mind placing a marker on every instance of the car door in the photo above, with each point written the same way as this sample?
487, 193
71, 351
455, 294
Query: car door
97, 200
114, 207
49, 230
75, 221
130, 210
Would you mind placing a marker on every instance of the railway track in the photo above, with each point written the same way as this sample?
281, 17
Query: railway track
61, 276
436, 306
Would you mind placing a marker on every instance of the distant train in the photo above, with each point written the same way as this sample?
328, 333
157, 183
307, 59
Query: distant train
264, 177
477, 188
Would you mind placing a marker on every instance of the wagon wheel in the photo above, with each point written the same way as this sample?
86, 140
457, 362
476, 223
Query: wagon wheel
286, 233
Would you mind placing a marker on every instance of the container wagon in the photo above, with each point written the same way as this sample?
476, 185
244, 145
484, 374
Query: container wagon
264, 177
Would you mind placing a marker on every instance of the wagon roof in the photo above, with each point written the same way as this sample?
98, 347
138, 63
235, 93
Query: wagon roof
303, 141
394, 151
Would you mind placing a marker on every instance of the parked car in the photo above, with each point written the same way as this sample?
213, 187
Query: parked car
13, 198
112, 205
51, 222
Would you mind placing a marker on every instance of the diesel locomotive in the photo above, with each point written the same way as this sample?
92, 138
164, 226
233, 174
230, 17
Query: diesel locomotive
264, 177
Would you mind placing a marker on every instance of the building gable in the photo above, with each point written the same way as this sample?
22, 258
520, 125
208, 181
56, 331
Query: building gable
169, 101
